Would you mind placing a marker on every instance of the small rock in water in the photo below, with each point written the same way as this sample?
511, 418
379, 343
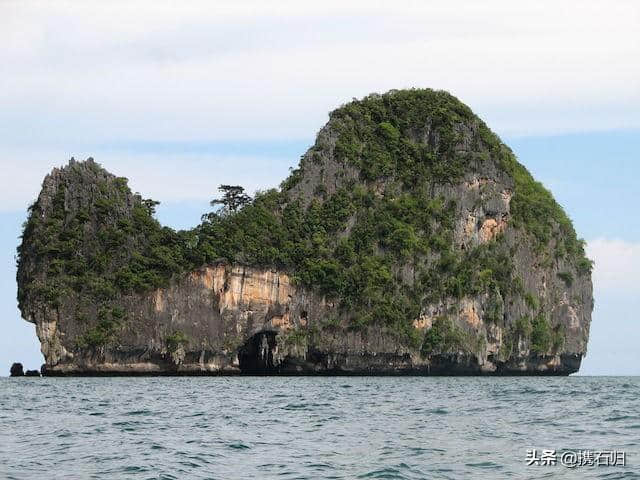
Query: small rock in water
16, 370
32, 373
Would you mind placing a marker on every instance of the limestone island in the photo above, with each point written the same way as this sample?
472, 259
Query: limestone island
409, 241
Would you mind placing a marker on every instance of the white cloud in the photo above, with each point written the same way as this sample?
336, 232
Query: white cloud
164, 177
92, 73
617, 266
173, 178
227, 69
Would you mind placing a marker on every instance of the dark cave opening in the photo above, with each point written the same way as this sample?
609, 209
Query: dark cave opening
256, 355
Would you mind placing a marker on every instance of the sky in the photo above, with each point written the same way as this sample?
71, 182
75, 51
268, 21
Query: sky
183, 96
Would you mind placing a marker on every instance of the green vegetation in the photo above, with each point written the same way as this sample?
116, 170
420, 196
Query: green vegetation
523, 327
531, 301
535, 210
567, 278
104, 332
521, 330
558, 338
233, 198
378, 135
486, 268
542, 338
97, 250
296, 337
541, 335
176, 340
494, 309
101, 250
381, 246
443, 337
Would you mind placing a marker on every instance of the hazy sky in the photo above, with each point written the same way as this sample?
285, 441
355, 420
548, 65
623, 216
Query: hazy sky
180, 98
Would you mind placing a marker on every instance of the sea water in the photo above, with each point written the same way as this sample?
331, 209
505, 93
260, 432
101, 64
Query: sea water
316, 427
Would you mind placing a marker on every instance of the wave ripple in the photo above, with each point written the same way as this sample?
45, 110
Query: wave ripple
316, 428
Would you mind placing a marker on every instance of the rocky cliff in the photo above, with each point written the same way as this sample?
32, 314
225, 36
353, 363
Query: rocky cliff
408, 241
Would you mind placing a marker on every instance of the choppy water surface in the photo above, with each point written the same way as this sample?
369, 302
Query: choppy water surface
276, 427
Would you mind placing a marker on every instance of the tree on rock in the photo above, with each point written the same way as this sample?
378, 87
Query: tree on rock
233, 198
150, 205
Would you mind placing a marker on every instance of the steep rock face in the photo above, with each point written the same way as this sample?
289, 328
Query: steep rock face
214, 308
408, 241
